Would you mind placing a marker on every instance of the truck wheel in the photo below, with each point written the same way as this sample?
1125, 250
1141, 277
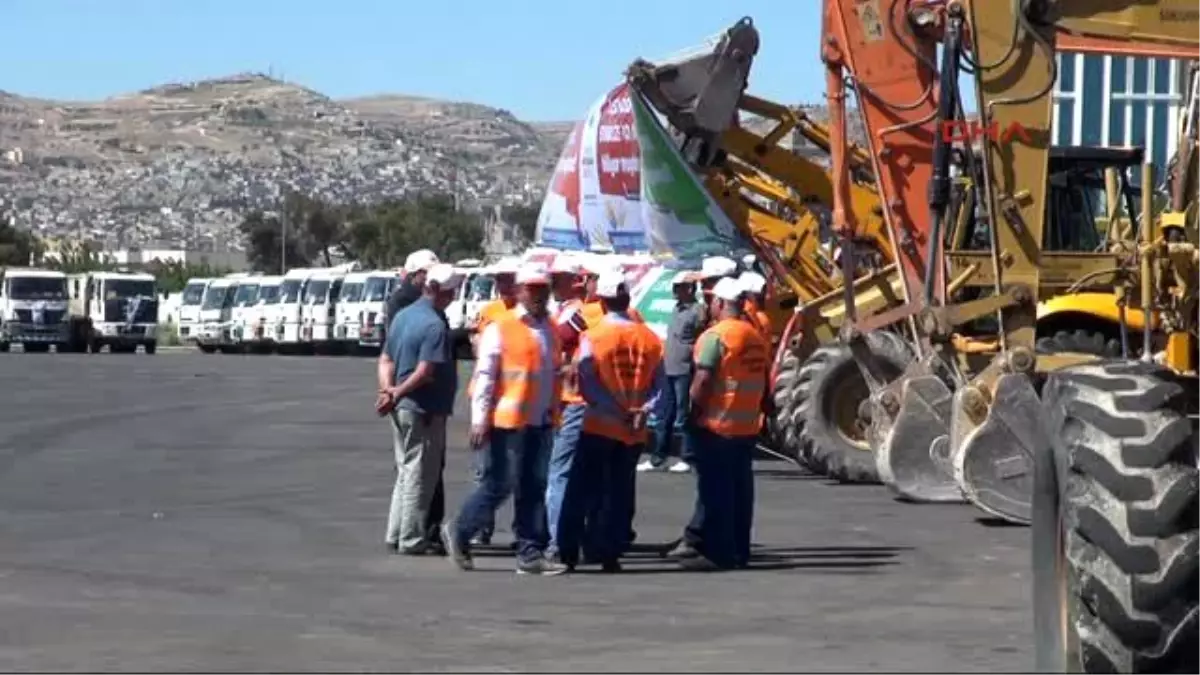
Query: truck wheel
151, 347
828, 395
94, 346
36, 347
5, 346
784, 426
1127, 481
207, 349
1083, 342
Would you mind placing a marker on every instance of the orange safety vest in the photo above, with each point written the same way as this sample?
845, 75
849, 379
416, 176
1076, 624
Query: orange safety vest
519, 374
592, 314
733, 406
626, 356
758, 318
494, 311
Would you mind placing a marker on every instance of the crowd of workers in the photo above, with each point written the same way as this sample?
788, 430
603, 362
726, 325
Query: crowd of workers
569, 388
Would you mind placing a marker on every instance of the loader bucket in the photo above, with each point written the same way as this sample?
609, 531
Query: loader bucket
994, 460
909, 445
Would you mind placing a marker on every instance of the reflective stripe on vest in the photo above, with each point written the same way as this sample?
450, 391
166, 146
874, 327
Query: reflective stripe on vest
734, 402
519, 375
626, 356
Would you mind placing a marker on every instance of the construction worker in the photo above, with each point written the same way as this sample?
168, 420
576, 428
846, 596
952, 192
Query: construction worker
514, 407
728, 396
567, 292
688, 320
504, 274
753, 287
417, 383
621, 379
411, 287
572, 325
712, 270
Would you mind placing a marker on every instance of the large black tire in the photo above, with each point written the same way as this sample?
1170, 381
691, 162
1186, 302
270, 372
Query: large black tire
1127, 477
1083, 341
207, 349
5, 346
36, 347
829, 389
151, 347
784, 426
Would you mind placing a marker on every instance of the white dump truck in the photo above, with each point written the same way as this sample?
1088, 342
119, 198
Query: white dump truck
259, 318
118, 310
189, 308
320, 308
33, 309
215, 312
373, 312
347, 325
288, 314
476, 291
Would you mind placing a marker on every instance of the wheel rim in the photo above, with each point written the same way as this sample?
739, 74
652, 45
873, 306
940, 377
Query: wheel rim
842, 407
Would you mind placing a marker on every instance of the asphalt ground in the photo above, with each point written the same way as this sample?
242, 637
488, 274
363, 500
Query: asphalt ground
188, 512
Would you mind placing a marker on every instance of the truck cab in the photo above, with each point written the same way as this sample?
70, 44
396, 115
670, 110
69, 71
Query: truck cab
260, 317
476, 290
189, 308
244, 300
320, 308
215, 311
373, 315
33, 309
288, 314
118, 310
350, 306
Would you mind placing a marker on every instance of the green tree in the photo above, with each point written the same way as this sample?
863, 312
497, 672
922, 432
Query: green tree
262, 234
17, 246
383, 235
524, 218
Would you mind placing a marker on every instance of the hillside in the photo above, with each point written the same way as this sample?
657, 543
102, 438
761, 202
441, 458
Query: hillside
182, 162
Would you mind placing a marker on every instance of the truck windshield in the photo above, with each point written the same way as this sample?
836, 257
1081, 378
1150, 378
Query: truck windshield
193, 294
316, 291
246, 295
269, 295
127, 288
289, 291
481, 289
37, 288
375, 289
351, 292
214, 297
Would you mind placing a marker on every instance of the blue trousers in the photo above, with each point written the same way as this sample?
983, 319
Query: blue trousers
725, 497
562, 457
514, 462
676, 401
599, 500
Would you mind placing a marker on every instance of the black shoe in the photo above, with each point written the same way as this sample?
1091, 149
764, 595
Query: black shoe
611, 567
436, 548
391, 546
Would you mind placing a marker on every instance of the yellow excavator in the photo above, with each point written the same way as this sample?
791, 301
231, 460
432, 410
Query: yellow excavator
1097, 453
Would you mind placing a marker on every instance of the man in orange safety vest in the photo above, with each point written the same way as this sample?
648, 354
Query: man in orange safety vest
514, 407
619, 366
728, 394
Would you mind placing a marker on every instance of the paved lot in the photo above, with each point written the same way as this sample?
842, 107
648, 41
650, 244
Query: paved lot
225, 513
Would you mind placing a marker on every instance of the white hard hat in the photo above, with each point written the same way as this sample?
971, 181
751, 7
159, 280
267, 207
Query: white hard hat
610, 284
532, 274
505, 266
445, 276
752, 282
564, 265
717, 266
727, 289
598, 265
684, 277
420, 260
749, 259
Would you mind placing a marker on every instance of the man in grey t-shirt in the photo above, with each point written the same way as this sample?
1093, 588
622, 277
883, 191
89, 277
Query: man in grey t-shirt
687, 322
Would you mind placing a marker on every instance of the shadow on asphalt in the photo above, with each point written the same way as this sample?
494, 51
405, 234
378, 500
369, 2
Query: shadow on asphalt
991, 521
652, 558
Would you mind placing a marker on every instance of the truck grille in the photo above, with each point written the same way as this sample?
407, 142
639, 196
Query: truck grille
49, 316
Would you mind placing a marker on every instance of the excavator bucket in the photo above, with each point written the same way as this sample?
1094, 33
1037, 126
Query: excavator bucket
699, 93
907, 432
993, 458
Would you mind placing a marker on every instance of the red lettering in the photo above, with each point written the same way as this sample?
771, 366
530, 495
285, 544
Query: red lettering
968, 131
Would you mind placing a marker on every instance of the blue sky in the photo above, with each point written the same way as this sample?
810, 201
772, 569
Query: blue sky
543, 60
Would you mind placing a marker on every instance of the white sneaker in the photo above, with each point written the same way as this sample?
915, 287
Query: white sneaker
680, 467
648, 466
